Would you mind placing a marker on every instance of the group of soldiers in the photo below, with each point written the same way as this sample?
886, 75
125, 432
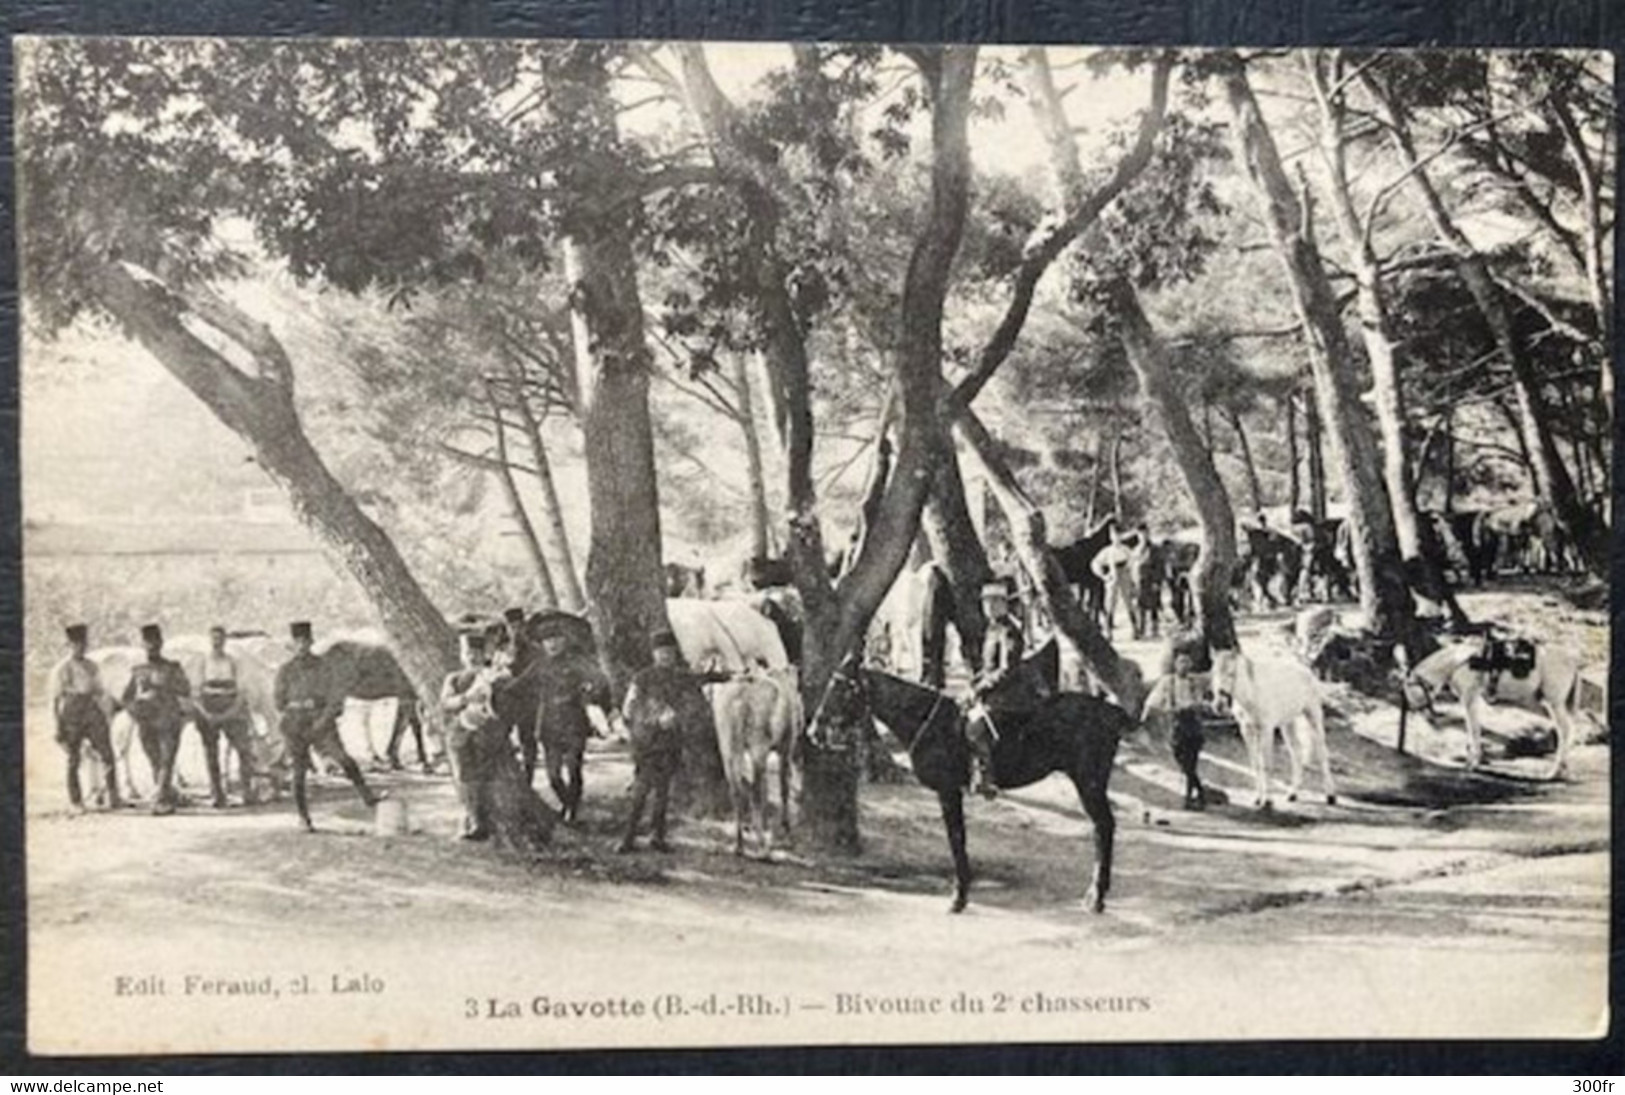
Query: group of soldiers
504, 689
160, 701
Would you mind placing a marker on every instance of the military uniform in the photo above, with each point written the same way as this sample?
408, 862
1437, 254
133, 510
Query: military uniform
1002, 648
565, 687
81, 705
308, 719
223, 709
658, 704
474, 735
156, 698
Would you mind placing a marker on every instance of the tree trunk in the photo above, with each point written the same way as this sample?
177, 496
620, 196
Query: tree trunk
838, 617
1095, 473
625, 590
761, 548
1450, 459
1255, 489
1210, 582
1317, 458
261, 410
1551, 478
1384, 594
1295, 487
556, 545
959, 550
516, 505
1376, 329
1030, 537
1117, 473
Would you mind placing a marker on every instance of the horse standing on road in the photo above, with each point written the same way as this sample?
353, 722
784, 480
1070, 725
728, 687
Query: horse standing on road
1070, 733
1267, 695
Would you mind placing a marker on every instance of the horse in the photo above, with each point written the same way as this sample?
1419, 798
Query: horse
757, 714
1288, 702
1270, 554
1552, 685
1076, 562
1070, 733
684, 581
369, 672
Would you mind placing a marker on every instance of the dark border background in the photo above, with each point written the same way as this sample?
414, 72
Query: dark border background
1450, 23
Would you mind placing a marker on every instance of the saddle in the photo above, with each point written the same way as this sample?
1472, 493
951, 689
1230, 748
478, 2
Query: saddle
1513, 656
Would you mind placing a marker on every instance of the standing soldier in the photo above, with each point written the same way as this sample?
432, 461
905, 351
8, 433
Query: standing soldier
82, 706
309, 715
156, 698
1002, 650
1182, 695
659, 702
517, 648
223, 709
569, 688
474, 734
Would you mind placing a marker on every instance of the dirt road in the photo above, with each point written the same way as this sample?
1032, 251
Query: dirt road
1386, 915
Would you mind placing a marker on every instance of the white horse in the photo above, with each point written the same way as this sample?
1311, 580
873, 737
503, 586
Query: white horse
1270, 694
757, 714
1552, 686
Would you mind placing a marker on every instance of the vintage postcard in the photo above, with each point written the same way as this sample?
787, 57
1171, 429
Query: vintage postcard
539, 544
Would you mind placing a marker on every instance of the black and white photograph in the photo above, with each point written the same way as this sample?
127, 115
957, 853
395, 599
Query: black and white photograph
538, 544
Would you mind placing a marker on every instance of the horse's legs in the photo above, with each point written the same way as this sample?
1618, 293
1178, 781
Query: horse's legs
555, 779
1092, 794
1563, 722
784, 790
1475, 738
1317, 723
1253, 738
1294, 757
953, 819
527, 748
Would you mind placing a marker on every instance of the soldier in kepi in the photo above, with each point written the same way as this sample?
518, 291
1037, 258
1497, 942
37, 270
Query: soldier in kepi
157, 697
474, 733
659, 703
309, 715
222, 709
82, 707
573, 698
1002, 650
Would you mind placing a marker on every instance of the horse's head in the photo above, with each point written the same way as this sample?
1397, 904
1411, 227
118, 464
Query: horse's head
845, 699
1222, 683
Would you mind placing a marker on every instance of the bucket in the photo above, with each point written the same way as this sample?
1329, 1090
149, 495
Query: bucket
390, 818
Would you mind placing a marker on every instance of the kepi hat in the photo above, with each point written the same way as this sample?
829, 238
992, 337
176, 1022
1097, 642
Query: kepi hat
514, 615
299, 629
77, 633
152, 633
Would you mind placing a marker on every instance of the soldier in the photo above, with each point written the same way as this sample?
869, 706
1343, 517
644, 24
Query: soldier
658, 702
223, 709
156, 698
82, 706
474, 734
1002, 650
308, 720
568, 689
517, 648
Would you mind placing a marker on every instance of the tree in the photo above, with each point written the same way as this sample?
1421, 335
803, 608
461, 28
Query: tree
1384, 593
1551, 479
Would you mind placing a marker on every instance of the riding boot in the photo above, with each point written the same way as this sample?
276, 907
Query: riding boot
352, 772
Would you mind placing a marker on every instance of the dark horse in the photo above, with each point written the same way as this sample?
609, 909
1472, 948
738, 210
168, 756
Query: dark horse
1070, 733
1075, 559
364, 671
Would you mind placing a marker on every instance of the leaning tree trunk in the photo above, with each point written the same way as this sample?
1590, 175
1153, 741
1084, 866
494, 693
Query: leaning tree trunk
1384, 593
1314, 438
516, 505
260, 409
960, 552
557, 539
1255, 488
1148, 356
625, 591
1030, 537
1376, 330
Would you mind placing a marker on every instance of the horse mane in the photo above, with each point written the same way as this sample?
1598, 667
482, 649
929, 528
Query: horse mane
903, 705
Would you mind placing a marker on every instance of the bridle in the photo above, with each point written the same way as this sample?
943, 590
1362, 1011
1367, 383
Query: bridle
841, 674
